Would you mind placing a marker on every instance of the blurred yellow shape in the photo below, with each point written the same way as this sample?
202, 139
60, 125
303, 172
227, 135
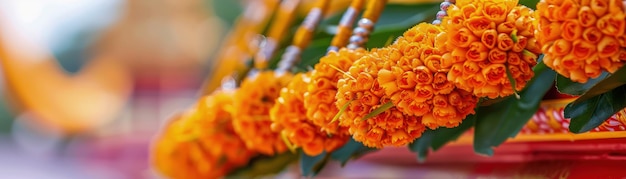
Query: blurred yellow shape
57, 100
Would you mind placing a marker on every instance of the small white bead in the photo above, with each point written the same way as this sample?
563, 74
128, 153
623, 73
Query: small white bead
332, 49
361, 31
366, 23
445, 5
353, 46
441, 14
357, 39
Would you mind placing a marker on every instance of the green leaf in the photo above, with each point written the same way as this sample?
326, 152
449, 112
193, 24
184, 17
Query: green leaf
529, 3
378, 110
311, 165
498, 122
264, 166
514, 36
611, 82
589, 114
512, 81
422, 145
445, 135
352, 149
340, 112
435, 139
567, 86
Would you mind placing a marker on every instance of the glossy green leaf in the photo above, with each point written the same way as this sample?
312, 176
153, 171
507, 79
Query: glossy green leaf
311, 165
445, 135
589, 114
611, 82
264, 166
352, 149
567, 86
500, 121
435, 139
377, 111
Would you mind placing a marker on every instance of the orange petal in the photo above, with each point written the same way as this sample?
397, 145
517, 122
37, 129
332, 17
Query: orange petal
586, 16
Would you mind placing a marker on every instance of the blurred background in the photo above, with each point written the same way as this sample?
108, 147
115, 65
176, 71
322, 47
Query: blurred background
124, 66
86, 85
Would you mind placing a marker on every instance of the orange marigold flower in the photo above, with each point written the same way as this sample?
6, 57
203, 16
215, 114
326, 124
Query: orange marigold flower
186, 148
251, 111
582, 38
321, 91
360, 93
489, 35
289, 117
422, 88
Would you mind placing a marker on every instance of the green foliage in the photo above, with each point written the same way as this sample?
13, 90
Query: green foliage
590, 113
529, 3
435, 139
228, 11
505, 119
264, 166
602, 97
352, 149
377, 111
311, 165
611, 82
6, 116
567, 86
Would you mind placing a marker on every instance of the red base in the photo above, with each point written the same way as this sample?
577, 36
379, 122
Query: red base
604, 158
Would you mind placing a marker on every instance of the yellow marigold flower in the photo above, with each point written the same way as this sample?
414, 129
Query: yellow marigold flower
417, 82
251, 111
321, 91
289, 117
580, 39
361, 92
485, 40
186, 148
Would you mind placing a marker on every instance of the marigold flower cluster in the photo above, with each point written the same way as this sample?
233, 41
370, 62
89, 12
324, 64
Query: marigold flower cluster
416, 80
361, 93
201, 143
322, 89
289, 118
486, 40
580, 39
251, 111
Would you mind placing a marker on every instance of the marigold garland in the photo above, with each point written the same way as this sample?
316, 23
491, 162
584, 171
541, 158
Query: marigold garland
176, 159
580, 39
186, 148
322, 89
485, 40
417, 83
289, 117
251, 110
360, 91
